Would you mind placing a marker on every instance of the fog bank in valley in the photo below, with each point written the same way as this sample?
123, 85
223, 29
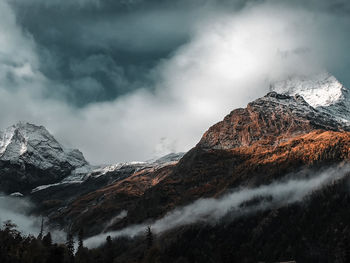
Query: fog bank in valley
210, 210
17, 209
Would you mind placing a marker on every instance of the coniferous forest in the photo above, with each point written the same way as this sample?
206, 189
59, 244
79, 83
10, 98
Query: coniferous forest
300, 232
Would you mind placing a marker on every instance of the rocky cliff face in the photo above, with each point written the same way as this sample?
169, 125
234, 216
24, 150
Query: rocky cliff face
30, 156
31, 144
266, 119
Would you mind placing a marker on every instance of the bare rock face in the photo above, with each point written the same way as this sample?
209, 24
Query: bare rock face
265, 119
31, 144
30, 156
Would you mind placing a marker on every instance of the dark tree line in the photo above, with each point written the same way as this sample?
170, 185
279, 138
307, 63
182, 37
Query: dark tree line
18, 248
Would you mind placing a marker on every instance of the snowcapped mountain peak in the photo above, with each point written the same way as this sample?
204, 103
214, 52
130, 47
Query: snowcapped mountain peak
319, 90
16, 139
323, 92
35, 145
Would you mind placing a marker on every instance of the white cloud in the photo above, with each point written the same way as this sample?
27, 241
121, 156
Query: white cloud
60, 3
16, 209
230, 60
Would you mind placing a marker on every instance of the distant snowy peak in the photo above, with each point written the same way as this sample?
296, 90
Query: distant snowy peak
323, 92
23, 137
35, 145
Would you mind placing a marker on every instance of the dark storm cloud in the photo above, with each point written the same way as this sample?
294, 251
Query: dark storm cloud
128, 38
126, 80
116, 42
130, 35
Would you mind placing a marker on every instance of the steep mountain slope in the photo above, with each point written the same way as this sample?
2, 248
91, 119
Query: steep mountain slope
90, 183
30, 156
33, 162
274, 136
265, 119
314, 230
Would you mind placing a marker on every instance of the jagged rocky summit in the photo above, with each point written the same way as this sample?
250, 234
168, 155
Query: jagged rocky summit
292, 107
27, 143
323, 92
266, 119
30, 156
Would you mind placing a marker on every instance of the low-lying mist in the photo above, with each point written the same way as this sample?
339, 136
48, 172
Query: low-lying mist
17, 210
236, 203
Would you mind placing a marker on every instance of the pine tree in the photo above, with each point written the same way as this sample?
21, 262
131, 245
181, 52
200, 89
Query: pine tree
109, 241
82, 255
109, 250
47, 240
40, 236
340, 253
80, 239
149, 237
70, 244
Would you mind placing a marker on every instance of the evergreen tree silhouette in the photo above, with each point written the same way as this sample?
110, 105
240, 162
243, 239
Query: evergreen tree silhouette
149, 237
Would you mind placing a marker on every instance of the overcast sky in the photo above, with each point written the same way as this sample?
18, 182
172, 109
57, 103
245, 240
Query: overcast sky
130, 80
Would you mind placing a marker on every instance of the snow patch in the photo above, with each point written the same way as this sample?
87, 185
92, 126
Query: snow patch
323, 92
318, 90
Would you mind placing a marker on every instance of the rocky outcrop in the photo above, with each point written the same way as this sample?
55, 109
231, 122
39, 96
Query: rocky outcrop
265, 119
